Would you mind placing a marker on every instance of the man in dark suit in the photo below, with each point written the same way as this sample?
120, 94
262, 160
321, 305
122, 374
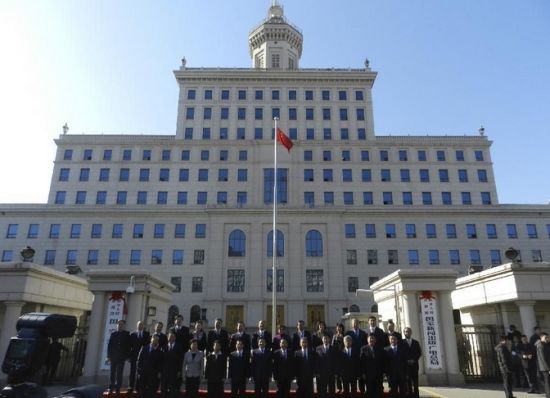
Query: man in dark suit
240, 334
349, 367
118, 351
326, 367
262, 333
299, 334
372, 368
281, 334
215, 370
220, 335
163, 339
413, 354
239, 369
392, 332
382, 339
306, 362
396, 368
359, 339
543, 361
172, 364
528, 356
317, 337
283, 368
261, 366
504, 361
536, 335
138, 339
182, 333
149, 367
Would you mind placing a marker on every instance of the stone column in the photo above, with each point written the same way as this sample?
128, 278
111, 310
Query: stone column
527, 314
12, 314
412, 320
95, 338
449, 339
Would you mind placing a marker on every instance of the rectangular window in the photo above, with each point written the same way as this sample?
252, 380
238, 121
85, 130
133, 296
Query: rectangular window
433, 256
60, 197
495, 257
385, 175
184, 175
196, 284
158, 231
104, 174
127, 154
327, 134
327, 175
536, 255
327, 156
241, 113
200, 231
314, 281
243, 155
309, 114
164, 175
325, 95
405, 175
407, 198
348, 198
346, 175
353, 284
308, 95
206, 133
366, 175
422, 155
165, 154
349, 230
390, 231
486, 198
87, 154
292, 95
410, 230
49, 258
72, 256
68, 154
308, 175
491, 231
7, 255
189, 113
191, 94
242, 95
258, 95
198, 257
471, 232
426, 198
479, 156
372, 256
84, 174
117, 231
202, 198
387, 198
185, 154
309, 199
235, 280
346, 156
162, 197
182, 198
64, 174
280, 280
258, 113
223, 175
203, 175
482, 175
440, 156
96, 231
403, 157
413, 257
361, 134
365, 156
431, 232
466, 198
451, 231
532, 231
475, 257
75, 231
292, 114
359, 95
135, 257
368, 198
360, 114
393, 257
225, 95
351, 257
92, 257
342, 95
328, 198
424, 175
459, 155
142, 198
242, 199
12, 231
443, 175
156, 256
32, 232
138, 231
310, 134
207, 113
177, 257
188, 133
282, 185
275, 94
124, 174
343, 114
384, 156
143, 175
463, 175
224, 113
454, 257
179, 231
344, 134
258, 133
326, 113
446, 198
221, 198
242, 175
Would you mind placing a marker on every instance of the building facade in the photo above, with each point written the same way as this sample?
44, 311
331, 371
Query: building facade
196, 207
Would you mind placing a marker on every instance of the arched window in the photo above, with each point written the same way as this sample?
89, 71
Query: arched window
314, 244
195, 314
173, 310
354, 308
279, 244
374, 308
237, 244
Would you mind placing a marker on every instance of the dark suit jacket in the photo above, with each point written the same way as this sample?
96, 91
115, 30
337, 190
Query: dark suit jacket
266, 336
182, 336
239, 367
526, 350
349, 366
163, 339
277, 341
201, 339
504, 359
283, 368
223, 337
357, 340
543, 356
295, 345
372, 362
326, 360
261, 366
396, 362
413, 352
173, 359
216, 367
317, 338
149, 362
305, 369
382, 340
136, 343
118, 348
396, 334
244, 337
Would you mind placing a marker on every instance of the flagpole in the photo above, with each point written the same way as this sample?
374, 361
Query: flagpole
274, 236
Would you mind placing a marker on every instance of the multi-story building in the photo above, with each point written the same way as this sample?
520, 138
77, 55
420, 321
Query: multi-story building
196, 207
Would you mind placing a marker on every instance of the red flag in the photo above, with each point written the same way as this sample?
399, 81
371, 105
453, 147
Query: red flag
283, 139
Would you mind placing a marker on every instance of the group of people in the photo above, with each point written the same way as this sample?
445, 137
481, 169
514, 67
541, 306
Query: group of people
346, 362
524, 361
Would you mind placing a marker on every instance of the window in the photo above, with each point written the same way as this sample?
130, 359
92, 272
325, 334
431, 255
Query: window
422, 155
343, 114
225, 94
308, 95
308, 175
292, 95
368, 198
314, 244
32, 232
191, 94
60, 197
84, 174
96, 231
242, 95
446, 198
482, 175
279, 244
117, 231
454, 257
280, 280
486, 198
390, 231
242, 175
221, 198
177, 257
200, 231
440, 156
359, 95
360, 113
12, 231
443, 175
49, 258
143, 175
207, 113
413, 257
407, 198
138, 231
387, 198
351, 257
206, 133
431, 231
348, 198
491, 231
188, 133
282, 187
403, 157
466, 198
346, 175
124, 175
433, 256
259, 95
370, 231
258, 113
162, 197
223, 175
310, 134
142, 198
361, 134
235, 280
410, 230
80, 197
92, 257
166, 154
224, 114
326, 113
179, 231
385, 175
366, 175
327, 134
275, 94
185, 154
463, 175
104, 174
275, 112
372, 256
258, 133
365, 156
346, 156
196, 284
189, 113
393, 257
127, 154
158, 231
384, 156
7, 255
327, 156
241, 113
405, 175
495, 257
71, 258
328, 198
292, 114
353, 284
68, 154
426, 198
451, 231
64, 174
156, 256
471, 231
176, 281
184, 175
203, 175
87, 154
242, 199
309, 114
164, 175
314, 281
424, 175
342, 95
325, 95
198, 256
536, 255
182, 198
243, 155
349, 230
532, 231
479, 156
205, 155
309, 199
475, 257
75, 231
327, 175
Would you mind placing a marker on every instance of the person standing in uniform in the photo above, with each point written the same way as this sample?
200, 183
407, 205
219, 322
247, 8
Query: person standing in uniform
182, 333
413, 354
200, 336
261, 368
349, 365
529, 364
239, 369
382, 340
396, 368
149, 368
338, 344
193, 368
261, 333
52, 360
543, 361
283, 368
172, 368
317, 337
392, 332
138, 339
300, 333
118, 351
306, 362
326, 364
215, 370
163, 339
218, 334
359, 339
372, 368
240, 334
505, 364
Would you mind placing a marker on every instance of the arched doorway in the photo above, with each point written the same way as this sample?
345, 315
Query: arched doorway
173, 310
195, 314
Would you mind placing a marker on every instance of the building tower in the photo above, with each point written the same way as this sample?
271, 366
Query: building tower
275, 43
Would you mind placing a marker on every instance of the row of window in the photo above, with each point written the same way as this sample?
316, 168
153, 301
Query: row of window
384, 154
241, 199
159, 231
309, 95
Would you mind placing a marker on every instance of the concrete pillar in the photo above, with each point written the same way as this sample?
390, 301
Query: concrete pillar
95, 338
412, 320
449, 339
11, 315
135, 303
527, 314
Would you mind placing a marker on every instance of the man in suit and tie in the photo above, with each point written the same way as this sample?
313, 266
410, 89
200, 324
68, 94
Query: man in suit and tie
392, 332
359, 339
163, 339
261, 366
413, 352
372, 368
396, 368
149, 368
219, 334
299, 334
283, 368
382, 339
182, 333
349, 366
326, 367
118, 351
239, 361
240, 334
262, 333
306, 363
542, 347
172, 367
215, 371
138, 339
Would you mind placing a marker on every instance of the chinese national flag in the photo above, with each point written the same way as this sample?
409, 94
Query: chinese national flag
283, 139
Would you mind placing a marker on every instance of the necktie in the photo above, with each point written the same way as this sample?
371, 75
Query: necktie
139, 335
349, 353
284, 354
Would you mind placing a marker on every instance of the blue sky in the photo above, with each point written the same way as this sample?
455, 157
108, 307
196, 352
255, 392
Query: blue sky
445, 67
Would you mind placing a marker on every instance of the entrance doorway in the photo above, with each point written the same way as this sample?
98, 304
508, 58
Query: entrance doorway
315, 313
233, 314
279, 316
